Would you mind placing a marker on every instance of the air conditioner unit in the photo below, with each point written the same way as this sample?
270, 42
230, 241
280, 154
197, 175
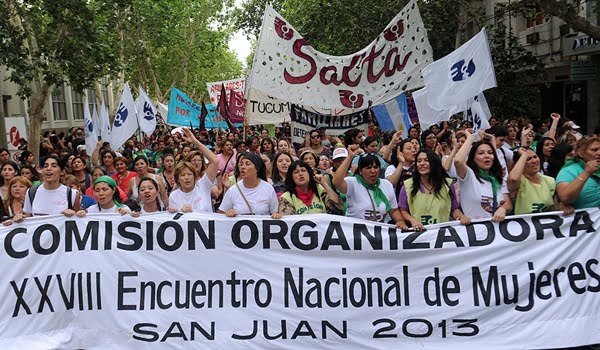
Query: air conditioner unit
533, 38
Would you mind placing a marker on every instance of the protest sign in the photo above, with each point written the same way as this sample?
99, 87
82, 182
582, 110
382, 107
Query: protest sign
180, 281
183, 111
303, 121
286, 67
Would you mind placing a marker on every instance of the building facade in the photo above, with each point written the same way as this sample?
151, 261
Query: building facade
571, 84
64, 107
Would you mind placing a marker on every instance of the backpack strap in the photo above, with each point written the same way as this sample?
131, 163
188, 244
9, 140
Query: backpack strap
69, 199
32, 192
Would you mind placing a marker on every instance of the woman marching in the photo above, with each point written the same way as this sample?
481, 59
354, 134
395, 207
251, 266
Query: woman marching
483, 192
148, 190
304, 195
107, 198
429, 197
368, 197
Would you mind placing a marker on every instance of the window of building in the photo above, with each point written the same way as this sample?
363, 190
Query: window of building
77, 105
104, 89
59, 106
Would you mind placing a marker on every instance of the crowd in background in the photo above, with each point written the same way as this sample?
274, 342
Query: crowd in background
442, 173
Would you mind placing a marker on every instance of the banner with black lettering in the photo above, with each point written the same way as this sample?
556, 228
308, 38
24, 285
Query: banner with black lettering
303, 121
173, 281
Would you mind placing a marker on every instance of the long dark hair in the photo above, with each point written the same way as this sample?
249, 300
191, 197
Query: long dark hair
557, 158
394, 154
145, 178
437, 174
290, 185
495, 170
275, 172
14, 165
540, 149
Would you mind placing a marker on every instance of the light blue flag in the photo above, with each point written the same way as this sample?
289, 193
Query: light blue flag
393, 115
184, 111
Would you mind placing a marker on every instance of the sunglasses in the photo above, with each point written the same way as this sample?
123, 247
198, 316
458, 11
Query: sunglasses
315, 136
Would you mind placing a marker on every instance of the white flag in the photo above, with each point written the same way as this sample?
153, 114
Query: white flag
104, 123
427, 114
96, 121
462, 74
91, 134
125, 123
146, 112
478, 112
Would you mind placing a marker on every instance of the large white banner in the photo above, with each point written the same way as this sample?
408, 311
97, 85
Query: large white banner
286, 67
173, 281
214, 89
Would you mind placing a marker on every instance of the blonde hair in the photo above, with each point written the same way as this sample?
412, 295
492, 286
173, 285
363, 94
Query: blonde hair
585, 142
17, 179
184, 165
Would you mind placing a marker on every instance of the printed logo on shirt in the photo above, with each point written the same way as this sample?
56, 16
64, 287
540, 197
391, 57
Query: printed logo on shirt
537, 207
373, 215
312, 206
487, 204
428, 220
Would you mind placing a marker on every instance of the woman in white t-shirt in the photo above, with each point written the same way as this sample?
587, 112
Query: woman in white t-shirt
483, 193
107, 198
252, 194
368, 196
51, 196
193, 192
148, 190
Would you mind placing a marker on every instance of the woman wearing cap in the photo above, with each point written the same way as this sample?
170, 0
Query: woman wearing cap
578, 182
307, 193
107, 198
51, 196
194, 190
252, 194
368, 196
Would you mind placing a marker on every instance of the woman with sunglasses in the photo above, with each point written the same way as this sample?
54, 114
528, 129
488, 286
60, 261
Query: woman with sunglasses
313, 143
368, 197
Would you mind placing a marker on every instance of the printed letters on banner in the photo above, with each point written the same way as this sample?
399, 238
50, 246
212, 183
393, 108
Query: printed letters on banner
304, 121
204, 281
214, 89
183, 111
288, 68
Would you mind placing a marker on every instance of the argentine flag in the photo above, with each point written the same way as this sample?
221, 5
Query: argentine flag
393, 115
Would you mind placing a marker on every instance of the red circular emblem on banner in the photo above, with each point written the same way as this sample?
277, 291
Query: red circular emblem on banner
15, 137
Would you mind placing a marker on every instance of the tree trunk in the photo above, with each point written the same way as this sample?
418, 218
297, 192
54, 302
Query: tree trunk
568, 13
36, 117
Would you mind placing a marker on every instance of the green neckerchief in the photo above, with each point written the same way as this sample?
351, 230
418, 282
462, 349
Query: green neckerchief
378, 195
581, 163
495, 186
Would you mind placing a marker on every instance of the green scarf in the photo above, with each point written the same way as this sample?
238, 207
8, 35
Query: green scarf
112, 183
378, 194
495, 186
581, 163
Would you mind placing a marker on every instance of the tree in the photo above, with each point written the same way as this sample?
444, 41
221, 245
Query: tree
45, 43
517, 72
568, 12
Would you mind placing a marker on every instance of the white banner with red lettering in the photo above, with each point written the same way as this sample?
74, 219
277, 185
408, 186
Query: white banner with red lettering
286, 67
173, 281
214, 89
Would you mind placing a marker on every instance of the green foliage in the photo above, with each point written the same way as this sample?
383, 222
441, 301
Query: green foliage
441, 18
517, 72
57, 41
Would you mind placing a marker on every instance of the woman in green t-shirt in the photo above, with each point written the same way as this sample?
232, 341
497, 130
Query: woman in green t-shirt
429, 197
532, 191
307, 193
578, 183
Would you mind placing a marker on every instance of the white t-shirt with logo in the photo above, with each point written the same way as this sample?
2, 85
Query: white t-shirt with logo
361, 206
262, 199
199, 198
476, 198
48, 202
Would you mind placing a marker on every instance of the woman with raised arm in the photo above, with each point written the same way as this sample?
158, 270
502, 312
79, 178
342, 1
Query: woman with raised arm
430, 196
368, 197
194, 191
252, 194
307, 193
483, 194
578, 182
532, 191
